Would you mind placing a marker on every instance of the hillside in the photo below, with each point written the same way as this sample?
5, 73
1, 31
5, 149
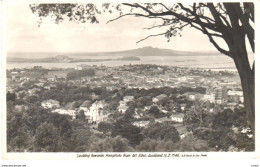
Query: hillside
149, 51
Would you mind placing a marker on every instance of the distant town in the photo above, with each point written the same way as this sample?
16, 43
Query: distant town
138, 105
67, 59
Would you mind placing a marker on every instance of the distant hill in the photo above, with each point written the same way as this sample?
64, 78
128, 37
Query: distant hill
149, 51
140, 52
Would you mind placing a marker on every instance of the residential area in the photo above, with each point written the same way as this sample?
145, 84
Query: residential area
144, 107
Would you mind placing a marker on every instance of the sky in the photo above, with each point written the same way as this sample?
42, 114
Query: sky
24, 35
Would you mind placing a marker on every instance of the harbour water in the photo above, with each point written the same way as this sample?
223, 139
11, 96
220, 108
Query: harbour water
219, 62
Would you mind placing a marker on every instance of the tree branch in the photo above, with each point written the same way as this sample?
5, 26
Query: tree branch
178, 16
215, 43
155, 35
180, 28
158, 26
209, 20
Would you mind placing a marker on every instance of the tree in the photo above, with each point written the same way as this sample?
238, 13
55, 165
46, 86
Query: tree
105, 127
231, 22
196, 114
10, 96
116, 144
81, 115
128, 131
154, 110
162, 132
47, 138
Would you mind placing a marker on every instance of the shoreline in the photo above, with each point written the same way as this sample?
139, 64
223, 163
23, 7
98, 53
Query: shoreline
31, 65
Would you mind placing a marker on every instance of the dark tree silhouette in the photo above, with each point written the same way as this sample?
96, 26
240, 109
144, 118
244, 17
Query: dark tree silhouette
231, 22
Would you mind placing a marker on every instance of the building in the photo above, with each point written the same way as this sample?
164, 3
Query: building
128, 98
177, 117
40, 84
50, 104
159, 97
82, 67
71, 113
193, 96
232, 93
220, 95
163, 120
209, 97
141, 124
182, 79
235, 96
122, 108
20, 107
95, 114
183, 106
33, 91
183, 132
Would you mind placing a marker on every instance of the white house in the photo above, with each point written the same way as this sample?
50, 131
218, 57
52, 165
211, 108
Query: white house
192, 97
40, 84
209, 97
232, 93
33, 91
163, 120
122, 108
183, 106
95, 112
158, 98
71, 113
182, 79
177, 117
128, 98
141, 123
50, 104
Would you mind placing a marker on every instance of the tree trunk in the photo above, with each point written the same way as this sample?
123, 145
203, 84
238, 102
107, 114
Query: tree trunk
247, 78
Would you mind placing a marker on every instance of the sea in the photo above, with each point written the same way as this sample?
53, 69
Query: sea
217, 63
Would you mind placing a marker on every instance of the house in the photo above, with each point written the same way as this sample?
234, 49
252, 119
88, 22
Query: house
182, 79
50, 104
246, 130
20, 107
71, 113
40, 84
20, 94
163, 120
128, 98
158, 98
33, 91
139, 112
232, 93
177, 117
141, 124
164, 111
209, 97
193, 96
122, 108
183, 106
122, 103
82, 67
182, 131
95, 113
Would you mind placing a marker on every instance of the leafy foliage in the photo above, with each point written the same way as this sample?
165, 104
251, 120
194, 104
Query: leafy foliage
128, 131
162, 132
79, 74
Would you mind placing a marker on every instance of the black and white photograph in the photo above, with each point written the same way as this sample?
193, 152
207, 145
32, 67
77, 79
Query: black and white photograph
129, 77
